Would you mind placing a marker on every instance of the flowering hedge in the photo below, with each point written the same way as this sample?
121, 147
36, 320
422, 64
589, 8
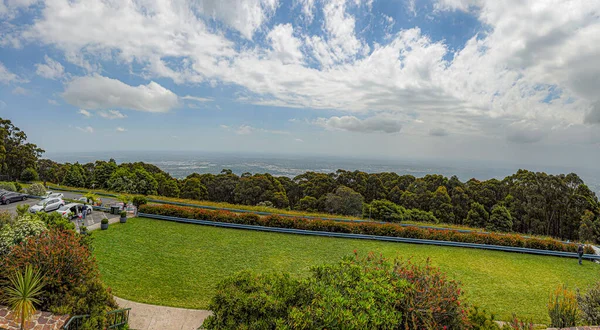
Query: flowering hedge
365, 228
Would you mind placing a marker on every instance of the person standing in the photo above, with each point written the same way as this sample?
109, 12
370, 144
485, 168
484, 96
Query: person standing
580, 252
84, 210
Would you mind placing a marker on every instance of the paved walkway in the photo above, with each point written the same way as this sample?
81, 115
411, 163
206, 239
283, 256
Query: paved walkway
152, 317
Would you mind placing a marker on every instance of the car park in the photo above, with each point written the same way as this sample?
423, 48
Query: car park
10, 197
47, 205
72, 210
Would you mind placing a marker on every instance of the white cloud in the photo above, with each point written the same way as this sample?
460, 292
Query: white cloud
353, 124
111, 114
299, 140
197, 99
51, 69
98, 92
87, 129
527, 50
53, 102
19, 91
6, 76
286, 47
247, 129
245, 16
121, 129
85, 113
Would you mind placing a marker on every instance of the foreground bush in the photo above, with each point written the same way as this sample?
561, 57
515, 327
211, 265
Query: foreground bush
366, 228
36, 189
8, 186
562, 308
69, 272
357, 293
589, 304
17, 231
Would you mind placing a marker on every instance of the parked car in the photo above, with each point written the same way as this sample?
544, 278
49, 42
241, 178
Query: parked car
10, 197
72, 208
47, 205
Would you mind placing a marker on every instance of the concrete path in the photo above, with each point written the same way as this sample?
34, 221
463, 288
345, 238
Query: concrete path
152, 317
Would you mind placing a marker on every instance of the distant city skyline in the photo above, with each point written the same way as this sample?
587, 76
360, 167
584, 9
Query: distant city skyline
493, 81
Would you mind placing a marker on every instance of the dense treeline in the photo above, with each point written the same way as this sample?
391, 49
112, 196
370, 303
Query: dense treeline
526, 202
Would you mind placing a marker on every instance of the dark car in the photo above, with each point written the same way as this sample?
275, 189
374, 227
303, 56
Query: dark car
10, 197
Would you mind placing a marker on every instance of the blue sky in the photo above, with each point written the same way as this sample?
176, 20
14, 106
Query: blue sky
449, 79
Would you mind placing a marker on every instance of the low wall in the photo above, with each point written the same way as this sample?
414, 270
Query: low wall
39, 321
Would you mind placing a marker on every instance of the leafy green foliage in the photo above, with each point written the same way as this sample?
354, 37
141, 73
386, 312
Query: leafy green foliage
356, 293
500, 220
562, 308
138, 201
589, 305
29, 174
36, 189
477, 216
22, 209
23, 227
10, 186
344, 201
383, 210
589, 229
22, 293
15, 153
193, 189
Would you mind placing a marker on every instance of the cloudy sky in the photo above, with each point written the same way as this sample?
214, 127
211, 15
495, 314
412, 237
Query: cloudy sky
512, 80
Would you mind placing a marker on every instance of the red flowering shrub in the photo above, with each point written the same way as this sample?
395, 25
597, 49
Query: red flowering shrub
70, 273
432, 301
364, 228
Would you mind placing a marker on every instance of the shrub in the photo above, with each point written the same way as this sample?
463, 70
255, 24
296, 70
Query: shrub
384, 210
365, 228
36, 189
417, 215
55, 220
8, 186
23, 227
29, 174
477, 216
589, 304
123, 214
69, 272
18, 187
562, 308
356, 293
138, 201
5, 218
481, 320
22, 209
104, 221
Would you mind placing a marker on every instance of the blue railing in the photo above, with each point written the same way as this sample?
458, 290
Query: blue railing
372, 237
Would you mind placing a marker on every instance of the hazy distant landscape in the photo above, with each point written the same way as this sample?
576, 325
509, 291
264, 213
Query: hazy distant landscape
182, 164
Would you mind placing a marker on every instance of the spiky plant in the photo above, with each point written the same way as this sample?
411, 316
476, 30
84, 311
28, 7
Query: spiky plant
22, 293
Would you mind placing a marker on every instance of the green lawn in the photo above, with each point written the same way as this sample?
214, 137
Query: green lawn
173, 264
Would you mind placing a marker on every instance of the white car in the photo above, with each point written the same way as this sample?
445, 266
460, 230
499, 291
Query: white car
74, 209
55, 195
47, 205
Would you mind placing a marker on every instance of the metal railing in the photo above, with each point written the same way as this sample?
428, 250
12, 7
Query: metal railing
373, 237
114, 319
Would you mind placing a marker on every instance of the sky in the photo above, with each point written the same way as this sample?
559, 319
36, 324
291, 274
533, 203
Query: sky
512, 81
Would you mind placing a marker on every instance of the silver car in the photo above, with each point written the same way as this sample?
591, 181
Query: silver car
47, 205
73, 209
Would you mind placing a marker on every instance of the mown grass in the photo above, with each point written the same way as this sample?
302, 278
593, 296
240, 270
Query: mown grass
174, 264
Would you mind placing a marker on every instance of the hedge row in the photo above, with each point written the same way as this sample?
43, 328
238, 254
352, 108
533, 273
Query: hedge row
364, 228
